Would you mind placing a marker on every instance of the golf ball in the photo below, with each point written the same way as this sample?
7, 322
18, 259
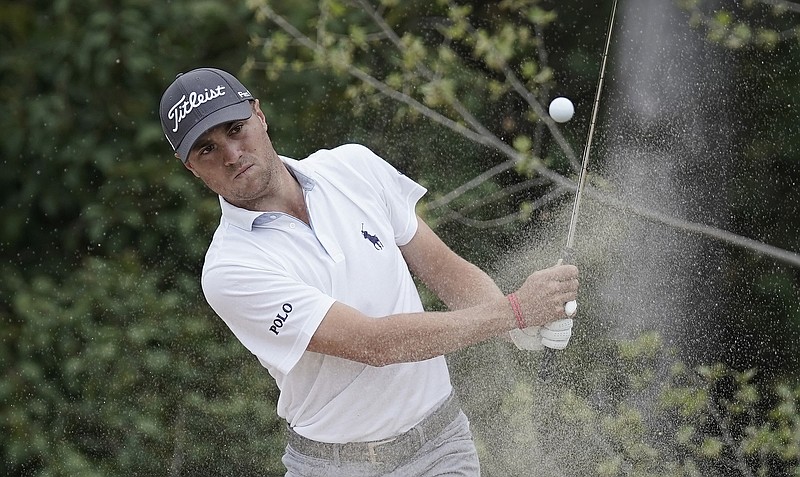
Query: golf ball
571, 307
561, 109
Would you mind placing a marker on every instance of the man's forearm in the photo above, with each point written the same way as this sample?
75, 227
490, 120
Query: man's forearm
347, 333
470, 286
407, 337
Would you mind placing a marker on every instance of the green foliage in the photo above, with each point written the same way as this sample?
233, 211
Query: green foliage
119, 375
762, 25
114, 365
661, 419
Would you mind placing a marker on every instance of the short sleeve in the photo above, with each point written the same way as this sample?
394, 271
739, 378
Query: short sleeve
399, 193
401, 199
273, 314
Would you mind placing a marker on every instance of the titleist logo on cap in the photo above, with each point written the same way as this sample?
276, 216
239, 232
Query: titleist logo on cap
185, 105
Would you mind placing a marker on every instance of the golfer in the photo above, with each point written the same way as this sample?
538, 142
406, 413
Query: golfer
311, 268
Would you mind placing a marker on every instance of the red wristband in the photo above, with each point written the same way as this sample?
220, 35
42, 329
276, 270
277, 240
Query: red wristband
512, 298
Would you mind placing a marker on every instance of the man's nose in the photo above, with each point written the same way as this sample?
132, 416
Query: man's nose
231, 153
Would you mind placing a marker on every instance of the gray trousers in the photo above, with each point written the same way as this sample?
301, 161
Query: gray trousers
451, 453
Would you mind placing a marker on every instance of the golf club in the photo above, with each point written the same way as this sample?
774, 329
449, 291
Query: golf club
570, 308
567, 254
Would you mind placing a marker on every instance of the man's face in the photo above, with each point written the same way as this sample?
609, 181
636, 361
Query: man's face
236, 160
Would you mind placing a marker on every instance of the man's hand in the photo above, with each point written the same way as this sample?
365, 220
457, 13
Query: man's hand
541, 303
544, 293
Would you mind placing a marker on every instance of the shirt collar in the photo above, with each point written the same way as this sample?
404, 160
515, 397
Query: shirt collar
244, 218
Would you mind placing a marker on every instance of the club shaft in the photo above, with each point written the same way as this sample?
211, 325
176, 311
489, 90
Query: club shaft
587, 149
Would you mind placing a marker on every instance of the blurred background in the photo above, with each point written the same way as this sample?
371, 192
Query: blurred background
685, 354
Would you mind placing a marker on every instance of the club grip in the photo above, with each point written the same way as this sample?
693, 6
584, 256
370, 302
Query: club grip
570, 308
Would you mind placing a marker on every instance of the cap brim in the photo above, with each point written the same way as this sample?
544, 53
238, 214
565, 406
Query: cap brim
234, 112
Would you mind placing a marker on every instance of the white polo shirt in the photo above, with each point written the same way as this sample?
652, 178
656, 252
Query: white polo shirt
272, 279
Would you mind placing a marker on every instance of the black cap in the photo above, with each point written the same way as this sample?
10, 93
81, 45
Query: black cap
199, 100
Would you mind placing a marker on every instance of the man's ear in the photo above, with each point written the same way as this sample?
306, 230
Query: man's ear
260, 114
187, 165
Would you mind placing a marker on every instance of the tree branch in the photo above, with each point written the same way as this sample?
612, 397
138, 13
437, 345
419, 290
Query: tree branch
458, 215
485, 138
785, 256
792, 6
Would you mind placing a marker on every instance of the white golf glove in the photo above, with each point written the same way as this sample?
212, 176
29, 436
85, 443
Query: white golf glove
554, 335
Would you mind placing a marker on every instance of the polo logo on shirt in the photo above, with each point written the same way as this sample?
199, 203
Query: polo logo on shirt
281, 318
376, 242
